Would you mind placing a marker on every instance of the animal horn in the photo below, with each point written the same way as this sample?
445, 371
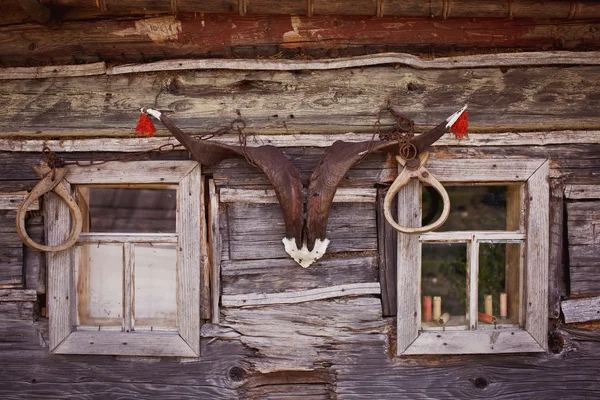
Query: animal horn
280, 171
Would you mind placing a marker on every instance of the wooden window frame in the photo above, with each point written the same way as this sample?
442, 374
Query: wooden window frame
534, 216
64, 339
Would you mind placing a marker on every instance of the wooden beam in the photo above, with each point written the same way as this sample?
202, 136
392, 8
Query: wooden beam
55, 71
225, 35
582, 192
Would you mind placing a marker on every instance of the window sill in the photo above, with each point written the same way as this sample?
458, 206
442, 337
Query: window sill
491, 341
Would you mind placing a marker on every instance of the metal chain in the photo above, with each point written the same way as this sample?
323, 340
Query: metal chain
53, 160
403, 131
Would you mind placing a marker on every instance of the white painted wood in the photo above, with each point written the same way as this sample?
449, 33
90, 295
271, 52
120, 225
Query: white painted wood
60, 293
473, 61
305, 140
492, 341
189, 214
128, 238
140, 172
155, 344
409, 267
215, 243
538, 253
467, 236
53, 71
267, 196
582, 192
12, 201
299, 296
581, 310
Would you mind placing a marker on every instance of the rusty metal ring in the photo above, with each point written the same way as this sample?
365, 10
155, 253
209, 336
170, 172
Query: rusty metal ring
408, 151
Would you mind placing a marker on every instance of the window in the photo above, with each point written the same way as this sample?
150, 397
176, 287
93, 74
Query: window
477, 262
131, 284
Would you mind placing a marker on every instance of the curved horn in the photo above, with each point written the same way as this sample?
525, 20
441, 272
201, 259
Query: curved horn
280, 171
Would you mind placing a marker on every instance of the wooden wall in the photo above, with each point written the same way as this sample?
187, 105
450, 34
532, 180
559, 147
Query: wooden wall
339, 345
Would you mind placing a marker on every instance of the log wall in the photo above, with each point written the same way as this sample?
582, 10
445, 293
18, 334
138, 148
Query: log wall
327, 331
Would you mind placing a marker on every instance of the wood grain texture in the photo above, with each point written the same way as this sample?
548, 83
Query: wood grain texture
60, 279
267, 196
536, 276
581, 310
387, 244
256, 230
300, 296
128, 145
474, 342
555, 98
215, 243
556, 266
206, 269
196, 35
189, 262
583, 221
56, 71
582, 192
273, 275
12, 201
409, 267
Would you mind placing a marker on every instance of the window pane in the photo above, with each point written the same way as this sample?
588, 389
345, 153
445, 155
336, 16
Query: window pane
498, 286
129, 210
444, 285
155, 303
471, 208
100, 285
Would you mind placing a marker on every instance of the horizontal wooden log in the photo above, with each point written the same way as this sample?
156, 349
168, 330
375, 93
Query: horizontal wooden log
292, 297
582, 192
23, 310
581, 310
205, 36
271, 276
129, 145
101, 106
438, 9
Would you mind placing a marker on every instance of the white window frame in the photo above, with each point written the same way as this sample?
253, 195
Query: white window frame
64, 338
533, 175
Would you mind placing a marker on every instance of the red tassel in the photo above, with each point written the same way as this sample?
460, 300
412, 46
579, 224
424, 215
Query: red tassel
460, 126
145, 127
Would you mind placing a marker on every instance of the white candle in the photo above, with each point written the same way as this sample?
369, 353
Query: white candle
489, 309
437, 307
503, 306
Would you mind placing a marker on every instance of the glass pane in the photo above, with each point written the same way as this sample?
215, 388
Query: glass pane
155, 298
129, 210
498, 286
444, 286
471, 208
100, 285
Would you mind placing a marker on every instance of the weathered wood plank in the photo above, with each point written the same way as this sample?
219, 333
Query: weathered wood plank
307, 140
556, 266
55, 71
556, 98
300, 296
12, 201
583, 220
11, 266
24, 310
271, 276
387, 238
472, 61
582, 192
581, 310
215, 245
267, 196
256, 230
14, 295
